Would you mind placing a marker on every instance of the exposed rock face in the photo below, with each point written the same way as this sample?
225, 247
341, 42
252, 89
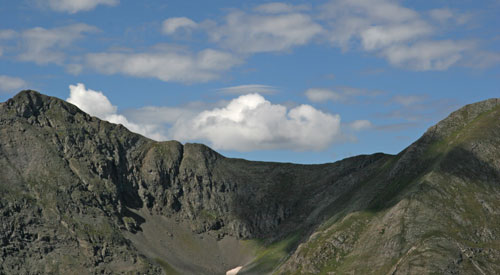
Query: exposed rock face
83, 195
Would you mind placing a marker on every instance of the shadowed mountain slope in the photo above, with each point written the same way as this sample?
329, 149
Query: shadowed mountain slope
435, 208
81, 195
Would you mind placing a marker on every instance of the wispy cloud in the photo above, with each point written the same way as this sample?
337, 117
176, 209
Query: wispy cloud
274, 27
9, 84
417, 108
74, 6
248, 89
7, 34
279, 7
359, 125
340, 94
394, 127
44, 46
407, 100
321, 95
175, 24
165, 64
482, 60
401, 35
428, 55
446, 15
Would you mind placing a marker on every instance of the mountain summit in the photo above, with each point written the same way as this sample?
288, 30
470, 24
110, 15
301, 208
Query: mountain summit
84, 196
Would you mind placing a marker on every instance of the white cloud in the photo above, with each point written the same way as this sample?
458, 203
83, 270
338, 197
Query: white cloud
92, 102
97, 104
250, 122
278, 7
427, 55
167, 64
399, 34
74, 6
11, 84
249, 89
253, 33
44, 46
174, 24
321, 95
377, 37
350, 18
380, 11
359, 125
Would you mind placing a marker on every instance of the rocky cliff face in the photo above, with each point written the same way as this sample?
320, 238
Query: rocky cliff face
81, 195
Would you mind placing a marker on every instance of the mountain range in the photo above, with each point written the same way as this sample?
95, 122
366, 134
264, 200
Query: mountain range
79, 195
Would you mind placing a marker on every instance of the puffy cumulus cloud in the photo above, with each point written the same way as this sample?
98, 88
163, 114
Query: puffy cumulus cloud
249, 89
399, 34
174, 24
167, 64
74, 6
92, 102
97, 104
359, 125
427, 55
44, 46
250, 122
263, 32
11, 84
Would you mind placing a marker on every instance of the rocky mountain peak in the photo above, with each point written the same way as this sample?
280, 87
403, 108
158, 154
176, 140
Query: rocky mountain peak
412, 161
29, 103
460, 118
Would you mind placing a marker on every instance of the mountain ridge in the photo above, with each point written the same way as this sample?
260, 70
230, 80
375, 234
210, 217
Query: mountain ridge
109, 191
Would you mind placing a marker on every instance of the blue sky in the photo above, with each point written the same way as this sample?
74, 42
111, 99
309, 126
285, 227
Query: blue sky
296, 81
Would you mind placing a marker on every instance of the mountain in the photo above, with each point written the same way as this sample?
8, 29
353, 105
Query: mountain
82, 196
